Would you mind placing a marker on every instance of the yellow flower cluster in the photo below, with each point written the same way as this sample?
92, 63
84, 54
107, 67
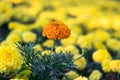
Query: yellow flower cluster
111, 65
72, 75
28, 36
93, 25
100, 55
81, 78
80, 63
95, 75
10, 59
105, 65
115, 66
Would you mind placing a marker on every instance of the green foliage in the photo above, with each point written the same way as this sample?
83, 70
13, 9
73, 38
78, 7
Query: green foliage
46, 67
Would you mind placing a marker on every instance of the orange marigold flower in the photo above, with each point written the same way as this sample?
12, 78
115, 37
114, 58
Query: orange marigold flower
56, 30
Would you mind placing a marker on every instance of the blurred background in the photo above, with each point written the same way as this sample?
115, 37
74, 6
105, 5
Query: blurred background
94, 25
97, 22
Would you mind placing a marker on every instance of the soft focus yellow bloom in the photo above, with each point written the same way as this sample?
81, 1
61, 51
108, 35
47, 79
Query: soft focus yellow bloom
106, 65
92, 24
84, 42
58, 49
81, 78
47, 52
101, 35
6, 11
113, 44
76, 29
16, 1
17, 25
72, 75
48, 43
115, 65
38, 47
13, 37
71, 40
80, 63
116, 23
10, 59
99, 45
95, 75
72, 49
100, 55
28, 36
104, 22
8, 43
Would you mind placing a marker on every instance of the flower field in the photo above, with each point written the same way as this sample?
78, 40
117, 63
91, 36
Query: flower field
59, 39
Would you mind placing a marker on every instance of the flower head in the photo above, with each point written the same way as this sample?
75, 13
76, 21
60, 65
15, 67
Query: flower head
95, 75
80, 63
56, 30
115, 65
10, 59
100, 55
29, 36
72, 75
81, 78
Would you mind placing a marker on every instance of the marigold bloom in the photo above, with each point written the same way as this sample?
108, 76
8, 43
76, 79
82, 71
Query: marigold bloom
56, 30
80, 63
10, 59
95, 75
100, 55
81, 78
106, 65
72, 75
115, 65
29, 36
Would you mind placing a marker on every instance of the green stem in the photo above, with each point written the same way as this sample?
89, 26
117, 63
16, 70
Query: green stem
83, 53
53, 47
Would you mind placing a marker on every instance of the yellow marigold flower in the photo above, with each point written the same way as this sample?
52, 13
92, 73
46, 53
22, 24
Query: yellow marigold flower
115, 65
104, 22
5, 11
16, 1
48, 43
113, 44
38, 47
99, 45
28, 36
106, 65
80, 63
101, 35
56, 30
95, 75
73, 50
10, 59
72, 75
76, 29
46, 52
84, 42
17, 25
58, 49
81, 78
116, 23
13, 37
8, 43
100, 55
71, 40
